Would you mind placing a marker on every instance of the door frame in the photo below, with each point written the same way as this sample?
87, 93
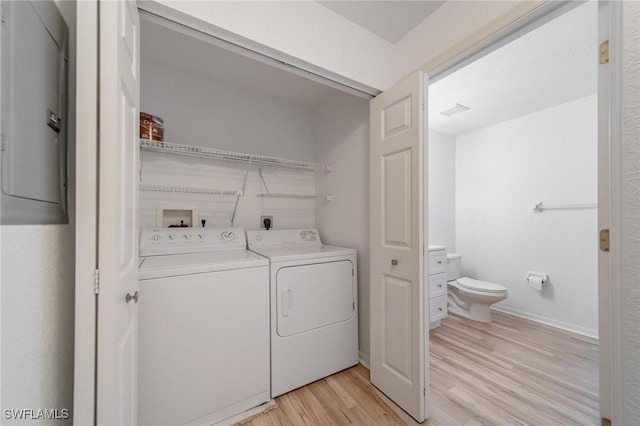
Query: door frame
610, 211
525, 18
85, 386
86, 232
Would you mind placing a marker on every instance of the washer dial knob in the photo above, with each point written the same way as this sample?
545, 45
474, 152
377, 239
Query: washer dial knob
227, 235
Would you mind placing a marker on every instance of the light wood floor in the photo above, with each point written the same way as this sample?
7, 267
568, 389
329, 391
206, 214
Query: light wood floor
508, 372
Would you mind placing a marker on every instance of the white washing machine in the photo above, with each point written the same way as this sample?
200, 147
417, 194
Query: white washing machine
314, 307
203, 326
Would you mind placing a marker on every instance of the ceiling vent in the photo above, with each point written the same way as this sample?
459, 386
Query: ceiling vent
455, 110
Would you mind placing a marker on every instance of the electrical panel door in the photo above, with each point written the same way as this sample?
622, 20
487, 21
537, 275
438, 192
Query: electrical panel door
34, 113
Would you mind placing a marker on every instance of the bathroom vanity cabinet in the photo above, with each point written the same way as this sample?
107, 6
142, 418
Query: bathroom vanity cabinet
437, 280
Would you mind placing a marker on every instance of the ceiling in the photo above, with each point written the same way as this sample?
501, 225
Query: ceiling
390, 20
551, 65
211, 62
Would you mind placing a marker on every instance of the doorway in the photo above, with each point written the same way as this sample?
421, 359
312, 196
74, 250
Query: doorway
513, 187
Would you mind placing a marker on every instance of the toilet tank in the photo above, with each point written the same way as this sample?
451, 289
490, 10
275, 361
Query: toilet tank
453, 266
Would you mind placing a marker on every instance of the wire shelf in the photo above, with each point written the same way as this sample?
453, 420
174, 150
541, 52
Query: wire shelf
191, 190
216, 154
328, 197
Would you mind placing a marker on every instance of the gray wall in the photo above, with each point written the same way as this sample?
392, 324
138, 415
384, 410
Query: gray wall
342, 139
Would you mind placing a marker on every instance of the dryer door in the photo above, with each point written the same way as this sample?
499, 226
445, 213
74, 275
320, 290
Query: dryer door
314, 296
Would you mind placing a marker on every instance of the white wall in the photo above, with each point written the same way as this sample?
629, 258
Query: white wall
342, 139
37, 317
314, 34
208, 113
38, 295
449, 25
304, 30
502, 171
442, 190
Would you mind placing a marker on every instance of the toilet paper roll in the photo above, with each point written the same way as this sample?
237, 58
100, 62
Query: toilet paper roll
535, 282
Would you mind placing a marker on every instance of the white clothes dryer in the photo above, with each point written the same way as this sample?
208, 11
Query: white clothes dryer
314, 307
203, 326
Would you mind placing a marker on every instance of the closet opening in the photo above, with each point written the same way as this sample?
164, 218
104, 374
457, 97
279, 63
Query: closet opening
240, 142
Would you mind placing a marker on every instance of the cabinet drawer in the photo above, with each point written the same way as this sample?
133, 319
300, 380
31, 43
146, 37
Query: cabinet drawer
438, 285
437, 261
437, 308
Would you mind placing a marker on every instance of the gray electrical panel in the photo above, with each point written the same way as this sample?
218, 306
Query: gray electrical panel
33, 71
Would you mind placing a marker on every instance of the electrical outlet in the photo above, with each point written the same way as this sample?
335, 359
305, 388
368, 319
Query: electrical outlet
262, 219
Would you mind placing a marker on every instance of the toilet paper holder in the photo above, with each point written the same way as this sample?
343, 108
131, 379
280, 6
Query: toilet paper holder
531, 275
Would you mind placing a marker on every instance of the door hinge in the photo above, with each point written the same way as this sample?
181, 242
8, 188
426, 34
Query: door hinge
3, 16
424, 391
353, 273
96, 281
424, 251
604, 240
423, 105
604, 52
353, 305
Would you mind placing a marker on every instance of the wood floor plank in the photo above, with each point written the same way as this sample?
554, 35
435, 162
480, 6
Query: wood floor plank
341, 391
508, 372
334, 405
304, 407
507, 378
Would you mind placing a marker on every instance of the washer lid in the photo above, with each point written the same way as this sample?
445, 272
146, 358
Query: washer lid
197, 263
302, 252
477, 285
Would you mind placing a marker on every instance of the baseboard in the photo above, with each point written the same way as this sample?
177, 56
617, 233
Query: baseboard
592, 334
248, 415
364, 359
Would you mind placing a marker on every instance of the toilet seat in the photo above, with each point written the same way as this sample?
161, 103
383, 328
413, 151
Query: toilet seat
476, 285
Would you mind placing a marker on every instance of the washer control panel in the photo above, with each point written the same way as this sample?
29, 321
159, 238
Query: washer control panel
162, 241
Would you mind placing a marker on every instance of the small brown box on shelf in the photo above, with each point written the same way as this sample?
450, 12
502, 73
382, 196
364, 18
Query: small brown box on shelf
151, 127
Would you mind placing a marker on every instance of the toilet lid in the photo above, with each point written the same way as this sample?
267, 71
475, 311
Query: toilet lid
472, 284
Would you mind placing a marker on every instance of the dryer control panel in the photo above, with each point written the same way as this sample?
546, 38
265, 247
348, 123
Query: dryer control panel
162, 241
283, 237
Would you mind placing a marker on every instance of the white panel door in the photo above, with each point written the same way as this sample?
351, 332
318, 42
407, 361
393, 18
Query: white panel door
398, 332
118, 210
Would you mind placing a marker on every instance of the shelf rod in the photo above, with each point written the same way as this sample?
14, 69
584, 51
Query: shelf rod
328, 197
190, 190
216, 154
539, 208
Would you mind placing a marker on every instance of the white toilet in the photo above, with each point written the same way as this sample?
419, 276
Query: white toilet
470, 298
